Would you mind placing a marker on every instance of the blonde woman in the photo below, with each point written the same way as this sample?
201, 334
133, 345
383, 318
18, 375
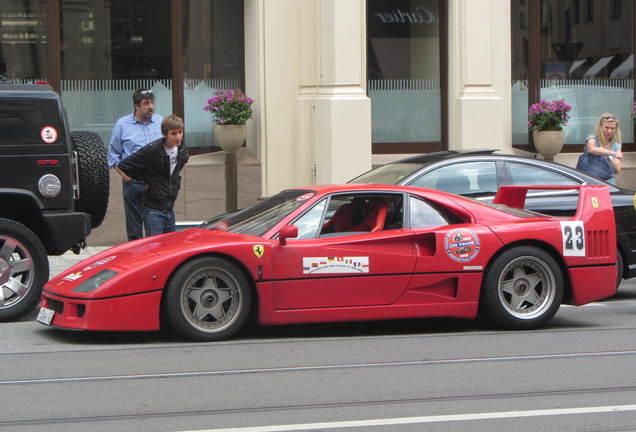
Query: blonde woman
606, 142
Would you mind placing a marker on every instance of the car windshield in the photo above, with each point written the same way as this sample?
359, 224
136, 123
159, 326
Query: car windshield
261, 217
388, 174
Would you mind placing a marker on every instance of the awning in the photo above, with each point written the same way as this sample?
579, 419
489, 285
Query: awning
596, 67
575, 65
624, 69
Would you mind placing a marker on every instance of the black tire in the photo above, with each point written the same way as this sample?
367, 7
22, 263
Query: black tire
522, 288
215, 287
94, 180
620, 267
24, 269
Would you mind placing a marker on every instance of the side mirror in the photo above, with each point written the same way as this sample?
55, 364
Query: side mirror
288, 231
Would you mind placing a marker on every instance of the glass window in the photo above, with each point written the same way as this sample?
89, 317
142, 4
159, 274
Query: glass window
213, 59
471, 178
23, 41
423, 215
404, 70
309, 223
23, 121
110, 48
359, 213
590, 65
521, 175
261, 217
519, 34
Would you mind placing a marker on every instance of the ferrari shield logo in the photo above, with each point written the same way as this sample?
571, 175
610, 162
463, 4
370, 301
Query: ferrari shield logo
259, 250
594, 202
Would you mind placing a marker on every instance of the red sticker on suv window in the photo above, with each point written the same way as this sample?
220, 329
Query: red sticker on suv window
48, 134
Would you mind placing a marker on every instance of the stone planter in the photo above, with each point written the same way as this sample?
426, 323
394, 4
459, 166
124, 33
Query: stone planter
230, 137
548, 143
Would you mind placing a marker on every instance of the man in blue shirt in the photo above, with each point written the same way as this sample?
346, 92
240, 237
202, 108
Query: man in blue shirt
131, 133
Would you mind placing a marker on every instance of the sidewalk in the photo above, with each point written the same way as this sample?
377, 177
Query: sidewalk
57, 264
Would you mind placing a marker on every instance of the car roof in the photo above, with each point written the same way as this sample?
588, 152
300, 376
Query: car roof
358, 187
430, 158
441, 155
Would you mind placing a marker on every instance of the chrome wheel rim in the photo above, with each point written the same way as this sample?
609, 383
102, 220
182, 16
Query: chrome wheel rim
211, 300
526, 287
17, 272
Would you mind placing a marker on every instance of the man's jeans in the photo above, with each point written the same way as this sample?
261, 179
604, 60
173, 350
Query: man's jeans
133, 191
158, 221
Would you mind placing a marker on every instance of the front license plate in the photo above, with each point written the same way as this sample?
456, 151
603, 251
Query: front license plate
45, 316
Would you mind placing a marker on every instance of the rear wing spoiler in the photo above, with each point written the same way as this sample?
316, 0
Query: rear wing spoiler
596, 196
593, 199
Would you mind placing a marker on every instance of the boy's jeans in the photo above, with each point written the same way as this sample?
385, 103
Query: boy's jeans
158, 221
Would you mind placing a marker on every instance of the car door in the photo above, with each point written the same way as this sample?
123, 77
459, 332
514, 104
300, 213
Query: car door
452, 254
322, 269
556, 203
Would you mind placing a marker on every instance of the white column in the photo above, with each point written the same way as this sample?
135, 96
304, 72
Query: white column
342, 138
479, 75
306, 67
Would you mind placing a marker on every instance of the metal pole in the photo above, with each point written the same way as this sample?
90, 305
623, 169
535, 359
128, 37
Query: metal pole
231, 182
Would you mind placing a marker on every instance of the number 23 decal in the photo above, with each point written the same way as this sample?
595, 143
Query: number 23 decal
573, 235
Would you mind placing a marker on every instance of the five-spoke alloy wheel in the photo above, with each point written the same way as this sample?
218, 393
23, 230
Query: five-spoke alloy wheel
207, 299
522, 289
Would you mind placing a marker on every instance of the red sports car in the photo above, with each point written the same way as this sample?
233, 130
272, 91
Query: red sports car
344, 253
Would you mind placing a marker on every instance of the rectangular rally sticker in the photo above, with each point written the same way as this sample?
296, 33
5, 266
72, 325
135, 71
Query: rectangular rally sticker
573, 235
313, 265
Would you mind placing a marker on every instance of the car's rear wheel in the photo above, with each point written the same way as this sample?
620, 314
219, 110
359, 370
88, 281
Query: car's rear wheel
619, 267
522, 289
24, 268
208, 299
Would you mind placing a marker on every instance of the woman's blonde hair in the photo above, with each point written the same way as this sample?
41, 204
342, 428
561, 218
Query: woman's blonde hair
598, 130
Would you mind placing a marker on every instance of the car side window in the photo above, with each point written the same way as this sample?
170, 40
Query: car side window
309, 223
522, 174
359, 213
470, 178
423, 215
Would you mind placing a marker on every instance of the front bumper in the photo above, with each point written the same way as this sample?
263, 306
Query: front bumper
136, 312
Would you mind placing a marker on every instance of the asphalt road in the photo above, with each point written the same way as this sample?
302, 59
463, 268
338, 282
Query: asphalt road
578, 374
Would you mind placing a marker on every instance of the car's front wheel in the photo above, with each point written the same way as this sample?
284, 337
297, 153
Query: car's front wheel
24, 268
522, 288
208, 299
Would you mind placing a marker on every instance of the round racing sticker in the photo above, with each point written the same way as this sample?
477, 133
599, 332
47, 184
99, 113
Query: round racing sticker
48, 134
461, 244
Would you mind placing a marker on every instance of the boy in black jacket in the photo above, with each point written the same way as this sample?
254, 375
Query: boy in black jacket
159, 164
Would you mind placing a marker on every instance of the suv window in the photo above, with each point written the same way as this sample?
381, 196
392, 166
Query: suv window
22, 121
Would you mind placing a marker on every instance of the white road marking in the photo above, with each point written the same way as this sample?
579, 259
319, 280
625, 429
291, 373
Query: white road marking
426, 419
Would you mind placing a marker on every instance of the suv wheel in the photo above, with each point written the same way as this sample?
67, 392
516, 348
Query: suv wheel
93, 175
24, 268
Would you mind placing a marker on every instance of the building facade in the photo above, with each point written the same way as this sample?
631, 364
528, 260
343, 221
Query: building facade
338, 84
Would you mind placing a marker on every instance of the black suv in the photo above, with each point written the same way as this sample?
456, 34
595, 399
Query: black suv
53, 190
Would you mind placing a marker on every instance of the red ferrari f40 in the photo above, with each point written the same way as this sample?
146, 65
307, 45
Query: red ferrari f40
345, 253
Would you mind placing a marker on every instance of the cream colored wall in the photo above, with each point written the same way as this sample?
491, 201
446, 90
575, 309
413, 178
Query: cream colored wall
479, 75
306, 64
306, 67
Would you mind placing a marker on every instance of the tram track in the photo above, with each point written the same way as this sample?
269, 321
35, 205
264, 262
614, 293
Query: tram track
322, 367
299, 407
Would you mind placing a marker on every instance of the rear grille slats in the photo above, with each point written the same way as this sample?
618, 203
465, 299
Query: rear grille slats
597, 243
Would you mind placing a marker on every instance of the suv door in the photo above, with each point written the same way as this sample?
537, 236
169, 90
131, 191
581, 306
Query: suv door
34, 145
